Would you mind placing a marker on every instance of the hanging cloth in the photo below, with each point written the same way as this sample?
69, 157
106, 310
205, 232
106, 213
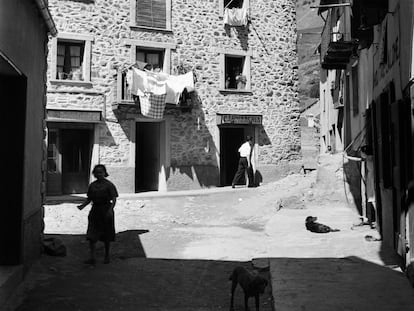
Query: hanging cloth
148, 82
235, 16
152, 106
177, 84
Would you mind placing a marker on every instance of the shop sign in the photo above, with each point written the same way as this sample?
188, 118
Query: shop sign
84, 116
239, 119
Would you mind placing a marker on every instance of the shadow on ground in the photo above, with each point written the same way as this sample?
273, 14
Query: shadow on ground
349, 283
131, 281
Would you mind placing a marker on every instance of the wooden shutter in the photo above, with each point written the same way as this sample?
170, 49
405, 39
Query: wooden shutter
151, 13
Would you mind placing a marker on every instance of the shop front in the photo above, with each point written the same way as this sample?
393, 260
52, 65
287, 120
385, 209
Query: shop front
70, 149
233, 129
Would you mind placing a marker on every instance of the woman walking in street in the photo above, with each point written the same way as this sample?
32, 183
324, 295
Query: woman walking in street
101, 225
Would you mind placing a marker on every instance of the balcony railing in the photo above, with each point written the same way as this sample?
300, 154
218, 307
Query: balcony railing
124, 95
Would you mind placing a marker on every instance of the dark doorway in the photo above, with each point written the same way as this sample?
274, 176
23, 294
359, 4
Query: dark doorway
231, 139
76, 158
147, 166
13, 98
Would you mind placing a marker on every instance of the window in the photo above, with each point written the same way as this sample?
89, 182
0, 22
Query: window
71, 58
233, 4
151, 14
52, 152
229, 4
355, 97
235, 70
156, 54
155, 58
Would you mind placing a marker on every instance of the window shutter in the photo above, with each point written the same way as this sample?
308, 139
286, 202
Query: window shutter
151, 13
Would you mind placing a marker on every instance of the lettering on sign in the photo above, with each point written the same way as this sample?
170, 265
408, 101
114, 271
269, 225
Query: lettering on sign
239, 119
89, 116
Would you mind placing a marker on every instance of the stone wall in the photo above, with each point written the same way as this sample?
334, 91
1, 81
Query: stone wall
200, 37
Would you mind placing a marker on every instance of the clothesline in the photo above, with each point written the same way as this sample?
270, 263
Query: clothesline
155, 89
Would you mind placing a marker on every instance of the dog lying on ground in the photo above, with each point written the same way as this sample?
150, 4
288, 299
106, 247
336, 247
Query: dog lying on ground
253, 285
316, 227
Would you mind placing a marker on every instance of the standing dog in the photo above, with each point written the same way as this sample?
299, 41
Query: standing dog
316, 227
253, 285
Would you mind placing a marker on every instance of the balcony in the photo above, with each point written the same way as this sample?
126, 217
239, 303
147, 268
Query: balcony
338, 54
124, 97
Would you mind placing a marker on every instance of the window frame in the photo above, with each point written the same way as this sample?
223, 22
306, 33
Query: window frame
166, 47
150, 45
159, 51
247, 55
133, 22
84, 39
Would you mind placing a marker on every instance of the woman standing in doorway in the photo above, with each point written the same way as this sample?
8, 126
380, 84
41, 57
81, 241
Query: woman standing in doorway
101, 225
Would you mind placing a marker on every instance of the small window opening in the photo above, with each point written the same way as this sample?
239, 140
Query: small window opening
154, 58
233, 4
234, 73
69, 60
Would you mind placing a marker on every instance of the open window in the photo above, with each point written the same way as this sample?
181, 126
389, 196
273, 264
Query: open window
235, 72
153, 57
69, 64
71, 58
233, 4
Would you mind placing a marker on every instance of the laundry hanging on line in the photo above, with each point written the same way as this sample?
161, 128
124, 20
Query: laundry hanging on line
235, 16
155, 89
152, 106
160, 83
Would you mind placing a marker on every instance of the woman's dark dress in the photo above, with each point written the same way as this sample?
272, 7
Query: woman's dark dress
101, 224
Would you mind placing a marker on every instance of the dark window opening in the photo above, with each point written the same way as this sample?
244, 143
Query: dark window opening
233, 4
154, 58
52, 152
69, 60
355, 97
234, 72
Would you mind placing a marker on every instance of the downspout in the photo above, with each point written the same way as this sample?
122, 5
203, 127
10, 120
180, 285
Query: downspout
42, 5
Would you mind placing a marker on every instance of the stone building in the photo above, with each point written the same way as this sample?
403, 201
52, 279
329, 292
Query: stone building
92, 119
23, 96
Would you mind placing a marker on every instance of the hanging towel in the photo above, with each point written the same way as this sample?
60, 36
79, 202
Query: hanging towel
235, 16
177, 84
152, 106
148, 82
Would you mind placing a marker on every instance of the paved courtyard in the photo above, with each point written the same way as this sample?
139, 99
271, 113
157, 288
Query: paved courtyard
175, 252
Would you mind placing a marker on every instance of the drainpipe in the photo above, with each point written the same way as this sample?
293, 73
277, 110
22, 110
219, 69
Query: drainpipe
47, 17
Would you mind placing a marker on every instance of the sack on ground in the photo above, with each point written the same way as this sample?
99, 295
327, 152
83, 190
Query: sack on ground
54, 247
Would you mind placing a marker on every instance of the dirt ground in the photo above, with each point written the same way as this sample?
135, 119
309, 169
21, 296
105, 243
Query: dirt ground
176, 253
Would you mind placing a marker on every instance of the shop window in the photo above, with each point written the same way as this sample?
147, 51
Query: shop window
151, 13
235, 70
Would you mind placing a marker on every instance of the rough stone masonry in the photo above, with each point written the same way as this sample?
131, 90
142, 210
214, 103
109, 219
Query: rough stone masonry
200, 38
